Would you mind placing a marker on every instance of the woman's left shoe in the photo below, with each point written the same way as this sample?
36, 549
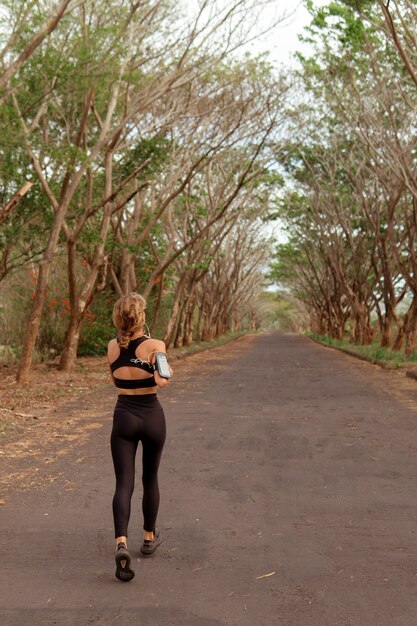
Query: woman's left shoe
123, 569
150, 545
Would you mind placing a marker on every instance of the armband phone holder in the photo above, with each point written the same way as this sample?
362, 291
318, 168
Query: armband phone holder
161, 365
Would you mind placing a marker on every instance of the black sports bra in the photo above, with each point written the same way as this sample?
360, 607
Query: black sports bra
128, 358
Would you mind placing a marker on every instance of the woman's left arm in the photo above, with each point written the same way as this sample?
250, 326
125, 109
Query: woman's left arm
160, 381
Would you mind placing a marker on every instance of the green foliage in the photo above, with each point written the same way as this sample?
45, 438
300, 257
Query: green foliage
94, 339
124, 54
17, 293
201, 265
336, 168
373, 352
283, 269
98, 327
155, 149
340, 25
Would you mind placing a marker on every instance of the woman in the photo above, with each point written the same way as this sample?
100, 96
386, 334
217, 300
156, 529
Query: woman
138, 416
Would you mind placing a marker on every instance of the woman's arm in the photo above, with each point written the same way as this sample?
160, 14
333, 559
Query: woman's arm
160, 347
112, 349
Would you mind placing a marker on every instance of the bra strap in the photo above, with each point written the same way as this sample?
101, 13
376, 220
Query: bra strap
137, 342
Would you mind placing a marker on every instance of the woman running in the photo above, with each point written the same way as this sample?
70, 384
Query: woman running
138, 416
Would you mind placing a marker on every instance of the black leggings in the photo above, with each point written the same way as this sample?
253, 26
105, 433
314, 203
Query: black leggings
136, 418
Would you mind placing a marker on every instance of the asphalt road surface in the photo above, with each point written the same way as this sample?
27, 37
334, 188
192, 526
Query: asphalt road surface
288, 487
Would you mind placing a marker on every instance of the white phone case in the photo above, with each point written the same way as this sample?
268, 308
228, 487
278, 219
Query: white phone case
162, 365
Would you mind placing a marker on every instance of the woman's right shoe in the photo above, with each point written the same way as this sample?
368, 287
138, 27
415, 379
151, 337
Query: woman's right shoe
123, 570
150, 545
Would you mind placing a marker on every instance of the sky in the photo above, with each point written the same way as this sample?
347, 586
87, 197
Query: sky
280, 42
283, 41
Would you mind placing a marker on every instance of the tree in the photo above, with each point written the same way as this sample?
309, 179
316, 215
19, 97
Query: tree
354, 167
89, 97
16, 48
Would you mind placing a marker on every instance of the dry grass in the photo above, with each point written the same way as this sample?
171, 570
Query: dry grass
48, 388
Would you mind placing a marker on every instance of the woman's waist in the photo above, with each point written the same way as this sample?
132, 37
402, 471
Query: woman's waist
136, 399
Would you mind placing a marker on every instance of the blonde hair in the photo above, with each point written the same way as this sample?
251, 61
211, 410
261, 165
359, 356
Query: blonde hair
129, 316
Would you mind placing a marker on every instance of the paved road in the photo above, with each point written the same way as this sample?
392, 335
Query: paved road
283, 457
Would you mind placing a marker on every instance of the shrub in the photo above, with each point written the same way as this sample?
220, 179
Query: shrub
97, 328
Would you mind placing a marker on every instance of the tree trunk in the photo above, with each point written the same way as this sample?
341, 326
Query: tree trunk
399, 339
81, 300
200, 322
157, 305
209, 331
386, 328
411, 330
124, 274
189, 323
172, 322
407, 328
34, 320
179, 338
186, 327
72, 336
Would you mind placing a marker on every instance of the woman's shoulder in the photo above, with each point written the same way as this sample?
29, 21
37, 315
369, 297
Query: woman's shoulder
158, 343
154, 345
113, 349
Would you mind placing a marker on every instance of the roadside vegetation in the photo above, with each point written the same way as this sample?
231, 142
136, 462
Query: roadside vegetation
143, 148
348, 208
374, 353
136, 143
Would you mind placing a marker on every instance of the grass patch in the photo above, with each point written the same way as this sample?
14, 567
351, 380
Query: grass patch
373, 353
5, 427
